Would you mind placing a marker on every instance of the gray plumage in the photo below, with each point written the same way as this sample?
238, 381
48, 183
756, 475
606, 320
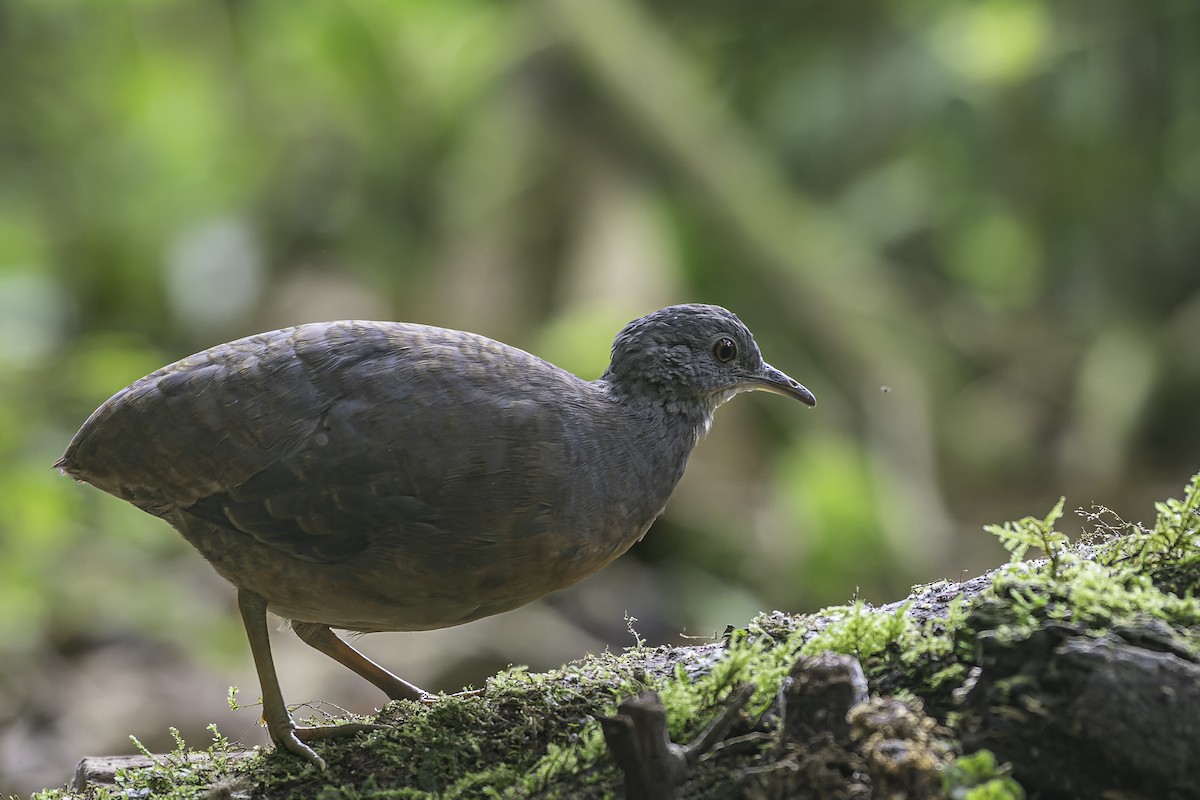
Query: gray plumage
387, 476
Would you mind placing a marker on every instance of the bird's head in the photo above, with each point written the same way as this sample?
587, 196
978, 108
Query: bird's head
693, 357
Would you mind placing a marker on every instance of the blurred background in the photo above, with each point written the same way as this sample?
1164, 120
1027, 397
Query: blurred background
972, 229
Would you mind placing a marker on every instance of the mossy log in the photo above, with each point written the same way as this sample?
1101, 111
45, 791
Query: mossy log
1074, 676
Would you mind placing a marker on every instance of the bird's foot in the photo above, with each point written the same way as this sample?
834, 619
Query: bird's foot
428, 698
293, 738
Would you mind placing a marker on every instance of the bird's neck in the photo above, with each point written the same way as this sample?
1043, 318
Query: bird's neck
671, 426
684, 415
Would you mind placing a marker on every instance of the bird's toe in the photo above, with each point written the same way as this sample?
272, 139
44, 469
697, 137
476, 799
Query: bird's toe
294, 739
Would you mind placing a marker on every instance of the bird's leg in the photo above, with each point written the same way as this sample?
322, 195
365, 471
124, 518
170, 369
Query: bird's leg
329, 643
280, 725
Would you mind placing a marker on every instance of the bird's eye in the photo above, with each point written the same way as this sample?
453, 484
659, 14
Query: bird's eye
725, 350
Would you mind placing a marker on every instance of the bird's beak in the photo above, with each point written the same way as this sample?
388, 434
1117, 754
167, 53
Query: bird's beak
772, 380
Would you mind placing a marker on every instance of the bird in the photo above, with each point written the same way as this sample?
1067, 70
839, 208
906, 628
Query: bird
386, 476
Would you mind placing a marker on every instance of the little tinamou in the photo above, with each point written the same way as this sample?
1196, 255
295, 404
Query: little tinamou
384, 476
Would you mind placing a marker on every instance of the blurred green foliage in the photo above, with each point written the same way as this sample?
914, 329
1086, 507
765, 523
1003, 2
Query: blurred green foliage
970, 228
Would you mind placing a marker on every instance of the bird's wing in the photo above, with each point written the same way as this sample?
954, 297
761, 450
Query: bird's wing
329, 439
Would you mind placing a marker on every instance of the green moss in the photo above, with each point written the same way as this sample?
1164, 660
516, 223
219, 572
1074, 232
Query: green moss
854, 631
1121, 574
182, 774
979, 777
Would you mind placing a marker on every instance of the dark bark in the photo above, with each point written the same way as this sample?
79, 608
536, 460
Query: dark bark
1079, 716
